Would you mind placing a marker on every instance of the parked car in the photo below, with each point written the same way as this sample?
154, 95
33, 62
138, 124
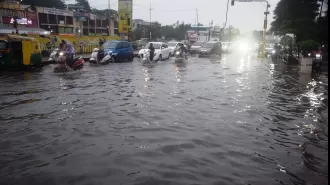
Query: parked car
196, 47
211, 48
162, 51
121, 50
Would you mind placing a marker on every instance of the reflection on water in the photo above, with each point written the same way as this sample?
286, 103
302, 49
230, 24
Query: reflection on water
233, 121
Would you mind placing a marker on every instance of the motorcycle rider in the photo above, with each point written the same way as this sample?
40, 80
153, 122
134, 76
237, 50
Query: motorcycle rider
100, 54
152, 51
70, 53
182, 48
277, 48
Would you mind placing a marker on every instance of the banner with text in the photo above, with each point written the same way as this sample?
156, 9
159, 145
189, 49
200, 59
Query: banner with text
125, 11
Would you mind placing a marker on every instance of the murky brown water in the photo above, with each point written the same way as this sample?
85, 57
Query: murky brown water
203, 122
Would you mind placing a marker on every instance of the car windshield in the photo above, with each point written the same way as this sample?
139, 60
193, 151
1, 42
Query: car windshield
156, 45
208, 45
199, 44
172, 44
110, 45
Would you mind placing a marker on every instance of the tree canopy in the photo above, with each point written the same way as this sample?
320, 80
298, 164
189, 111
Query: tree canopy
85, 4
169, 32
301, 18
46, 3
297, 17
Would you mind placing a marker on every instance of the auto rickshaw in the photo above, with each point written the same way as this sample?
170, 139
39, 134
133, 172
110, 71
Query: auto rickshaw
19, 52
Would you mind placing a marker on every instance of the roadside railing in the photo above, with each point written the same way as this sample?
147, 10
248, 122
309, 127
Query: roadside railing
78, 49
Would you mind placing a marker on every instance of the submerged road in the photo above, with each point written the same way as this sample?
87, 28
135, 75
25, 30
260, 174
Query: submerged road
234, 121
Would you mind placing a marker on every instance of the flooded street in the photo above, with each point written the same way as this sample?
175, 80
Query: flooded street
204, 122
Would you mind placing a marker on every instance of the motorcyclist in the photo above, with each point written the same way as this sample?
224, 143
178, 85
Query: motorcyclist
49, 47
182, 48
277, 47
70, 53
152, 51
100, 54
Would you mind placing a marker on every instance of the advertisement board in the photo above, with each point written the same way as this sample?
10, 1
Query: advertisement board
125, 11
21, 21
56, 11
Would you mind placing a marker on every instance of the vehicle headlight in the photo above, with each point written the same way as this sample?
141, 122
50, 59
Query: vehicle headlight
244, 47
61, 53
273, 51
309, 54
318, 55
178, 52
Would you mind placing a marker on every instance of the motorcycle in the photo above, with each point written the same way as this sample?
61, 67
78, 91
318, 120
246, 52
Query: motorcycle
275, 55
145, 57
180, 55
78, 64
316, 66
99, 57
54, 55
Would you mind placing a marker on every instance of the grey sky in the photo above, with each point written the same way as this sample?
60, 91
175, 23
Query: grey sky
245, 16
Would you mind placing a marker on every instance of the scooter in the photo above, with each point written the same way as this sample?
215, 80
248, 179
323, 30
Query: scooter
180, 56
78, 64
145, 57
99, 57
54, 55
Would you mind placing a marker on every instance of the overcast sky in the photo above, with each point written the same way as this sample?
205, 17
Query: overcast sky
245, 16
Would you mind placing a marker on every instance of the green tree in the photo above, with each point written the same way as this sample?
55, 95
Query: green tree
286, 40
297, 17
46, 3
322, 25
85, 4
104, 12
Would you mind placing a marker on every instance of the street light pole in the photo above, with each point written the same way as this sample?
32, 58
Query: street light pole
150, 22
109, 18
265, 30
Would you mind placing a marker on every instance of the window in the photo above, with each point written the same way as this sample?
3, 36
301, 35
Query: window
126, 45
110, 45
198, 44
69, 20
164, 46
156, 45
120, 45
172, 44
209, 45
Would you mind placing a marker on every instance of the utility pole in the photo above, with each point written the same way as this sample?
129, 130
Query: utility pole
265, 30
109, 18
197, 23
150, 21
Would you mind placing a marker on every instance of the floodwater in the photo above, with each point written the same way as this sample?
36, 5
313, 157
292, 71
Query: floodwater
237, 121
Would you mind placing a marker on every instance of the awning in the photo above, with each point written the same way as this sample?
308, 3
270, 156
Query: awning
9, 30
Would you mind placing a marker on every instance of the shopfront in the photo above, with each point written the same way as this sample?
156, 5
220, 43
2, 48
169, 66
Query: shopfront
56, 21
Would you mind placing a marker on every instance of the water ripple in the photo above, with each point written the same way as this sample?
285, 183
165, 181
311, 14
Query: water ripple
220, 121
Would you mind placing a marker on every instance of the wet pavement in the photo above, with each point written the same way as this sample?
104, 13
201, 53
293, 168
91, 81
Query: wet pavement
235, 121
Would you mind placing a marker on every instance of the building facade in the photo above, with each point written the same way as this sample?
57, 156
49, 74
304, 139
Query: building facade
54, 21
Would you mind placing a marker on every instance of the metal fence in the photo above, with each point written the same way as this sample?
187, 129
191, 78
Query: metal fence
78, 49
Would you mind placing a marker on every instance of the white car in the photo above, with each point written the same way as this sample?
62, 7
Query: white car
172, 46
162, 51
196, 47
